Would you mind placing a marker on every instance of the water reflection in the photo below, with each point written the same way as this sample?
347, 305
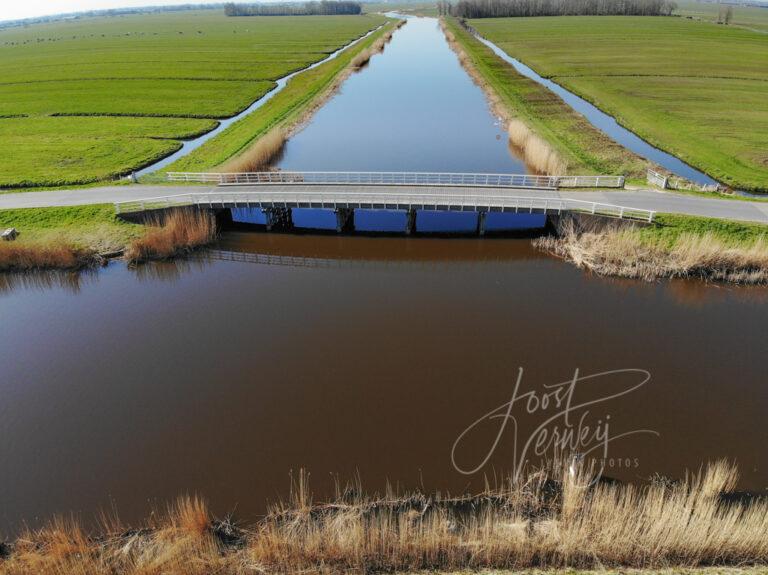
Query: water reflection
69, 281
413, 108
220, 376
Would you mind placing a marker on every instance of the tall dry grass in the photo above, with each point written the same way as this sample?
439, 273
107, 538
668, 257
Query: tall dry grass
555, 520
179, 231
260, 155
620, 251
536, 152
43, 255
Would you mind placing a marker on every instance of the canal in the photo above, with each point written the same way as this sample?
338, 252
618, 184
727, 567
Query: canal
377, 356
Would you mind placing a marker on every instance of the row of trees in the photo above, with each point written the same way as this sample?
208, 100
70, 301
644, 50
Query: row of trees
506, 8
323, 8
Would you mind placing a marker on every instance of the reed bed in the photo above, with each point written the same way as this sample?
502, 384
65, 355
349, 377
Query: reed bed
44, 255
541, 520
612, 250
535, 151
260, 155
178, 232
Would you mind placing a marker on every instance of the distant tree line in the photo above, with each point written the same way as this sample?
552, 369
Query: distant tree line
323, 8
505, 8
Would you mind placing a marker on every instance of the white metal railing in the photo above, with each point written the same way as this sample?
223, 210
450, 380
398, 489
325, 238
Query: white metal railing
370, 200
399, 179
656, 179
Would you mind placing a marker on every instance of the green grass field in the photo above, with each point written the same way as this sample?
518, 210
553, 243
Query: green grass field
91, 227
92, 99
695, 89
751, 17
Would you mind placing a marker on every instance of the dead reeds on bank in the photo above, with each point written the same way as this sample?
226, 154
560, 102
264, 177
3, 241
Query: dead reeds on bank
177, 232
29, 256
615, 250
540, 520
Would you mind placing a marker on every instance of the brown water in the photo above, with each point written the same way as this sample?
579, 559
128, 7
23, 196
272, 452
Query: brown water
347, 355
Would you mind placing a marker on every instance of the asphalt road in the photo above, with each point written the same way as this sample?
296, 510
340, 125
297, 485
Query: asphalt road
666, 202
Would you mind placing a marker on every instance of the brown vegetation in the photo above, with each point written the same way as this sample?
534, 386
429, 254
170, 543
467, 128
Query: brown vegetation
180, 231
43, 255
570, 521
536, 152
619, 251
260, 155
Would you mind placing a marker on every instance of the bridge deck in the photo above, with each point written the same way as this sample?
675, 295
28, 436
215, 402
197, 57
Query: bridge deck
398, 197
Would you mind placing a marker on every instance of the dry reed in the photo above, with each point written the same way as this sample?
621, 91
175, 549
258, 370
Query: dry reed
620, 251
260, 155
535, 151
28, 256
561, 520
180, 231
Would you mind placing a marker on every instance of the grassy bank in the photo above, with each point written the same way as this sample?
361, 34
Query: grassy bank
540, 521
538, 118
694, 89
253, 140
90, 99
80, 236
673, 247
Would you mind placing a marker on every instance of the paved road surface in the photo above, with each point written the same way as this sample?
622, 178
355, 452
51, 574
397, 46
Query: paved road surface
643, 199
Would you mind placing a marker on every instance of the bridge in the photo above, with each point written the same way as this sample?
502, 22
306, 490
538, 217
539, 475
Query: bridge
442, 179
280, 199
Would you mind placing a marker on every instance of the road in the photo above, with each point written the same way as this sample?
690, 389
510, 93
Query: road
667, 202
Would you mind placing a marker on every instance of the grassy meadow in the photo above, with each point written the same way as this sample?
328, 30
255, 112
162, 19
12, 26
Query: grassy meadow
91, 99
750, 17
692, 88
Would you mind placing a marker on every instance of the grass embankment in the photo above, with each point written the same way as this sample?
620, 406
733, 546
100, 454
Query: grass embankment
551, 136
673, 247
91, 99
558, 521
81, 236
694, 89
255, 139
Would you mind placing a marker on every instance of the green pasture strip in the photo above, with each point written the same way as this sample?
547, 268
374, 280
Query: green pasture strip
586, 149
694, 89
58, 151
92, 226
667, 228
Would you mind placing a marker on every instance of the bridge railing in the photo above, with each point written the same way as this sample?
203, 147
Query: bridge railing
398, 179
370, 200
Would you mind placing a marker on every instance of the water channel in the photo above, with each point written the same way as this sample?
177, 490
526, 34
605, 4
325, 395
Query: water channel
348, 355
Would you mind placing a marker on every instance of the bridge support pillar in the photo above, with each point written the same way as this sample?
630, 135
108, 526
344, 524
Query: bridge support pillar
481, 223
343, 219
279, 218
410, 222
